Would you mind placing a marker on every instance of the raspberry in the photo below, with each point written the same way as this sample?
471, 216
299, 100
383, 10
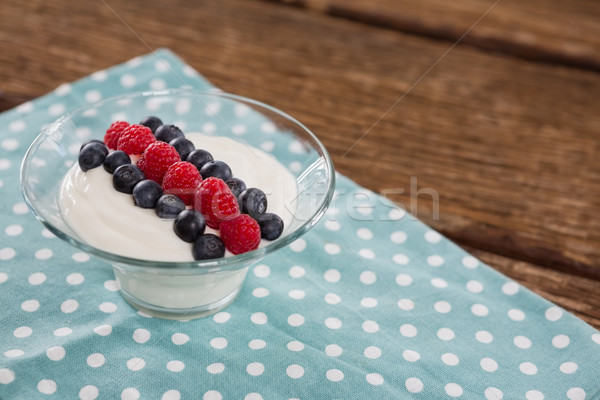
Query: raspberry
182, 179
111, 137
240, 233
156, 160
135, 138
214, 200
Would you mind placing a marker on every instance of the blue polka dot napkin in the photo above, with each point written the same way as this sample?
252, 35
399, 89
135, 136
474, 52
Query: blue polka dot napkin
371, 304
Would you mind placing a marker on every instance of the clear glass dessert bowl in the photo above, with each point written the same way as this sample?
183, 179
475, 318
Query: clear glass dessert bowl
181, 289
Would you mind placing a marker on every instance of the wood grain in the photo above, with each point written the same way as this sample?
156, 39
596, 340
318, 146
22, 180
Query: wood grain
556, 31
509, 146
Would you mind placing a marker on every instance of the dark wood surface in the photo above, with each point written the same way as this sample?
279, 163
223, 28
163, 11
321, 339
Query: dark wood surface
504, 125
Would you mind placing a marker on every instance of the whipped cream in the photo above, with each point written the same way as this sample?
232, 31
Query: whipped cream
109, 220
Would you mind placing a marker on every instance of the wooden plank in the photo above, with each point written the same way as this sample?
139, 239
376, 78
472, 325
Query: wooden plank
557, 31
509, 146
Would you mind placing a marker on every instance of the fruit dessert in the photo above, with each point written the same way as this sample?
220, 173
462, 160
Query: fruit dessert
149, 191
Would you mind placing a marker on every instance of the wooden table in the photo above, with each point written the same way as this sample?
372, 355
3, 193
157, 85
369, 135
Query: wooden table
491, 104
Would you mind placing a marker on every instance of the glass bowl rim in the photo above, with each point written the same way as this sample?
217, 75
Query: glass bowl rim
198, 266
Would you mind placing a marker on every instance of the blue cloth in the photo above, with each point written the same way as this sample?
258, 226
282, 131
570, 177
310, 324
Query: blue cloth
370, 304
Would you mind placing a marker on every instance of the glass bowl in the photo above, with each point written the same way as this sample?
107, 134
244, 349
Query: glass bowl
191, 289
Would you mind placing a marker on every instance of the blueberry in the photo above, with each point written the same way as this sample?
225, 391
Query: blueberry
183, 146
126, 177
199, 157
166, 133
253, 201
90, 141
92, 155
188, 225
236, 185
115, 159
146, 193
208, 246
218, 169
271, 226
151, 122
169, 206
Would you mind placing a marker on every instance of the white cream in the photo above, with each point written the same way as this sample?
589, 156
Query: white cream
110, 221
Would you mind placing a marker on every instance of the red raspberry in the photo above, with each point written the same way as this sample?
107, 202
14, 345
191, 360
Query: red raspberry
182, 179
240, 233
156, 160
111, 137
135, 138
214, 200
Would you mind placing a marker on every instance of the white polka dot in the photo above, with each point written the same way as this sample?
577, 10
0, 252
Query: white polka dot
295, 166
560, 341
257, 344
262, 271
56, 109
221, 317
80, 256
295, 320
99, 76
295, 371
435, 260
267, 127
215, 368
92, 96
403, 280
63, 89
576, 393
332, 275
128, 80
255, 369
450, 359
596, 337
141, 335
480, 310
46, 386
474, 287
30, 305
295, 345
130, 394
4, 164
333, 323
333, 350
7, 253
259, 318
56, 353
334, 375
484, 337
240, 129
13, 353
370, 326
332, 298
267, 146
470, 262
212, 109
439, 283
364, 233
553, 314
510, 288
180, 338
408, 330
218, 343
162, 65
241, 110
88, 392
568, 367
25, 107
171, 395
493, 393
332, 248
516, 315
522, 342
528, 368
212, 395
3, 277
64, 331
368, 277
398, 237
406, 304
157, 84
103, 330
69, 306
43, 254
366, 253
75, 278
297, 271
443, 307
13, 230
396, 214
534, 395
37, 278
414, 385
175, 366
135, 364
95, 360
108, 307
260, 292
372, 352
375, 379
10, 145
453, 390
400, 259
368, 302
432, 236
20, 209
411, 355
298, 245
332, 225
488, 364
296, 147
445, 334
47, 234
22, 332
6, 376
